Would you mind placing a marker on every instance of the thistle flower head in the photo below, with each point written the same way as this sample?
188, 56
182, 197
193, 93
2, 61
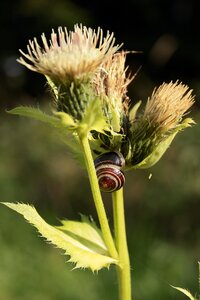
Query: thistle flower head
153, 132
69, 55
111, 81
167, 105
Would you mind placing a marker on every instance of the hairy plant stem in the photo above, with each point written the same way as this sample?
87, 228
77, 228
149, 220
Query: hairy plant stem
103, 220
123, 269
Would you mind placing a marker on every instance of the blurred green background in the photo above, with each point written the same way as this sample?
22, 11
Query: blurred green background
163, 213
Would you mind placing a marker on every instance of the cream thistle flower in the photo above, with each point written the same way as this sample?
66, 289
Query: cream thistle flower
69, 61
69, 55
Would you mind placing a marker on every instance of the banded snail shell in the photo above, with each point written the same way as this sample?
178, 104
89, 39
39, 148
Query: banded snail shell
109, 171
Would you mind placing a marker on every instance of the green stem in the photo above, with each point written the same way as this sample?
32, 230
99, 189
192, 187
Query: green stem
123, 269
97, 197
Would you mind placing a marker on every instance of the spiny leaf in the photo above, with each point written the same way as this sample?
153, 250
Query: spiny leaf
80, 240
86, 231
185, 292
162, 146
66, 119
157, 153
61, 127
35, 113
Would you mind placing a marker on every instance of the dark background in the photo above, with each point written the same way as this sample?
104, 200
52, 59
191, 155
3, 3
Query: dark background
163, 224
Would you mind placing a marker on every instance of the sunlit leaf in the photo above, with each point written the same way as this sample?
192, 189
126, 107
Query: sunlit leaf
80, 240
161, 148
185, 292
63, 125
66, 119
156, 154
87, 231
35, 113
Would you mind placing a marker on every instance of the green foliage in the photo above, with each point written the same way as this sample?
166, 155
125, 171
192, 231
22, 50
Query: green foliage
81, 240
155, 147
37, 114
63, 126
29, 267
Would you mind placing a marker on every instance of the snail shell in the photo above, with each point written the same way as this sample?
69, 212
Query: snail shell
109, 171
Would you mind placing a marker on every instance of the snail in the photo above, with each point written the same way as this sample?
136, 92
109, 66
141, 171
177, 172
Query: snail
109, 167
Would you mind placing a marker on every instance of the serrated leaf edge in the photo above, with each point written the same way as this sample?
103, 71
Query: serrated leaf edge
75, 256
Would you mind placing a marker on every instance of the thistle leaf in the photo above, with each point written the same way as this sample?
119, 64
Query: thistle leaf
66, 120
86, 231
82, 241
62, 122
157, 153
35, 113
185, 292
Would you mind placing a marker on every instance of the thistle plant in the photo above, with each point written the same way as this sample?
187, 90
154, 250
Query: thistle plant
87, 75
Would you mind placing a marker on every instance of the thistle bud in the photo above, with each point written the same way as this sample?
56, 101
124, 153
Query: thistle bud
167, 106
152, 133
